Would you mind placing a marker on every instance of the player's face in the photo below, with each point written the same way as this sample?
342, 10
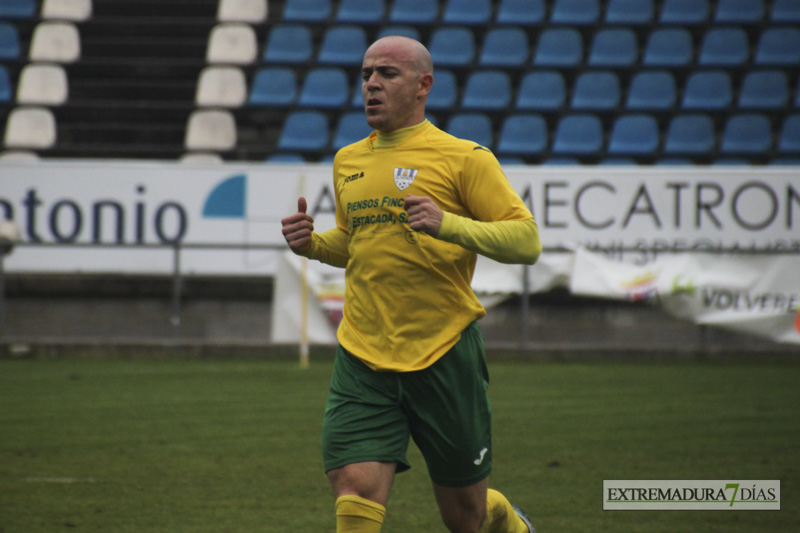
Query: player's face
392, 87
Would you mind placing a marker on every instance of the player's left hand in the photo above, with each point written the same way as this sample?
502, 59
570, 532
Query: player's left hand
423, 214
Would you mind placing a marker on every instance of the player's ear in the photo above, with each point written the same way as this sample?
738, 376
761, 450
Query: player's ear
425, 83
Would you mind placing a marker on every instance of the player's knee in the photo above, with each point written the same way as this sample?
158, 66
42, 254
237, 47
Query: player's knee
464, 519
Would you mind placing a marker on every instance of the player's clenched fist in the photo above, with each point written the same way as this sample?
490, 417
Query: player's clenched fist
423, 214
297, 228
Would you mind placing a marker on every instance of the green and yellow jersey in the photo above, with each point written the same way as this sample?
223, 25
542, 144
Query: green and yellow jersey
408, 294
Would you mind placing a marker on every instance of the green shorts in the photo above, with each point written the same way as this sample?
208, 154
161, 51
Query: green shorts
445, 408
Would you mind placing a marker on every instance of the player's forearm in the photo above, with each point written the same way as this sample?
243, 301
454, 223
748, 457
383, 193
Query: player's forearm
329, 247
506, 241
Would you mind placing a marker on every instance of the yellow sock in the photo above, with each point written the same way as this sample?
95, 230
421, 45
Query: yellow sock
500, 516
358, 515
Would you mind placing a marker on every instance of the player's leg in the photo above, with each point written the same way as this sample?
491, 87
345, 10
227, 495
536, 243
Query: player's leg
478, 509
362, 492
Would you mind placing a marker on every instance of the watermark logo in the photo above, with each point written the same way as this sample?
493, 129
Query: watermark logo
696, 495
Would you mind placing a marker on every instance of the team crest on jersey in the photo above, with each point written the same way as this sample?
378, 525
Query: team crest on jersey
404, 176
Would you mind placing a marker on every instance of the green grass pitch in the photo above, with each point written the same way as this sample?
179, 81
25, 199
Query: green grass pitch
232, 445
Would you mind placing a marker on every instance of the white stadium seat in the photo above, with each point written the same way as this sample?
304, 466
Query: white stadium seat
210, 129
75, 10
42, 84
221, 86
55, 41
30, 127
233, 43
242, 11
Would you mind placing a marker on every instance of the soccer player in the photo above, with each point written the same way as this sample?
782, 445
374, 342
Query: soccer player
414, 205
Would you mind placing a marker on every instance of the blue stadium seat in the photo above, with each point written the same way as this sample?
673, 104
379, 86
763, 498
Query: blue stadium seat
684, 12
690, 135
352, 127
789, 140
630, 12
614, 48
273, 86
400, 29
580, 134
343, 45
360, 11
522, 135
739, 11
6, 94
324, 87
596, 91
779, 46
747, 133
785, 12
764, 89
652, 90
487, 90
467, 12
420, 12
476, 127
575, 12
289, 44
635, 134
541, 90
444, 93
724, 47
707, 90
559, 47
356, 98
9, 42
452, 46
304, 131
669, 47
307, 10
504, 47
17, 9
521, 12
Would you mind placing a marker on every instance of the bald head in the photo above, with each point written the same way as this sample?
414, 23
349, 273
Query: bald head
407, 50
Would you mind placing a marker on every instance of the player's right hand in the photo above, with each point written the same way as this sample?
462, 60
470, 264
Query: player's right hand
297, 228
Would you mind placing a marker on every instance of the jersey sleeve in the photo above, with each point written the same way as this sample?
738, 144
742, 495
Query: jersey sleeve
330, 247
505, 241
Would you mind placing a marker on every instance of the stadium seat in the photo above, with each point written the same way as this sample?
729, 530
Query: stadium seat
724, 47
630, 12
596, 91
444, 93
789, 140
452, 46
20, 156
221, 86
764, 89
778, 46
467, 12
614, 48
352, 127
691, 134
290, 44
785, 12
669, 47
684, 12
575, 12
42, 84
304, 131
6, 93
476, 127
580, 134
400, 29
251, 11
747, 133
521, 12
9, 42
273, 86
58, 42
310, 11
343, 45
541, 90
324, 87
30, 128
74, 10
707, 90
504, 47
652, 90
232, 43
487, 90
360, 12
17, 9
522, 135
210, 129
635, 134
420, 12
739, 11
559, 47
